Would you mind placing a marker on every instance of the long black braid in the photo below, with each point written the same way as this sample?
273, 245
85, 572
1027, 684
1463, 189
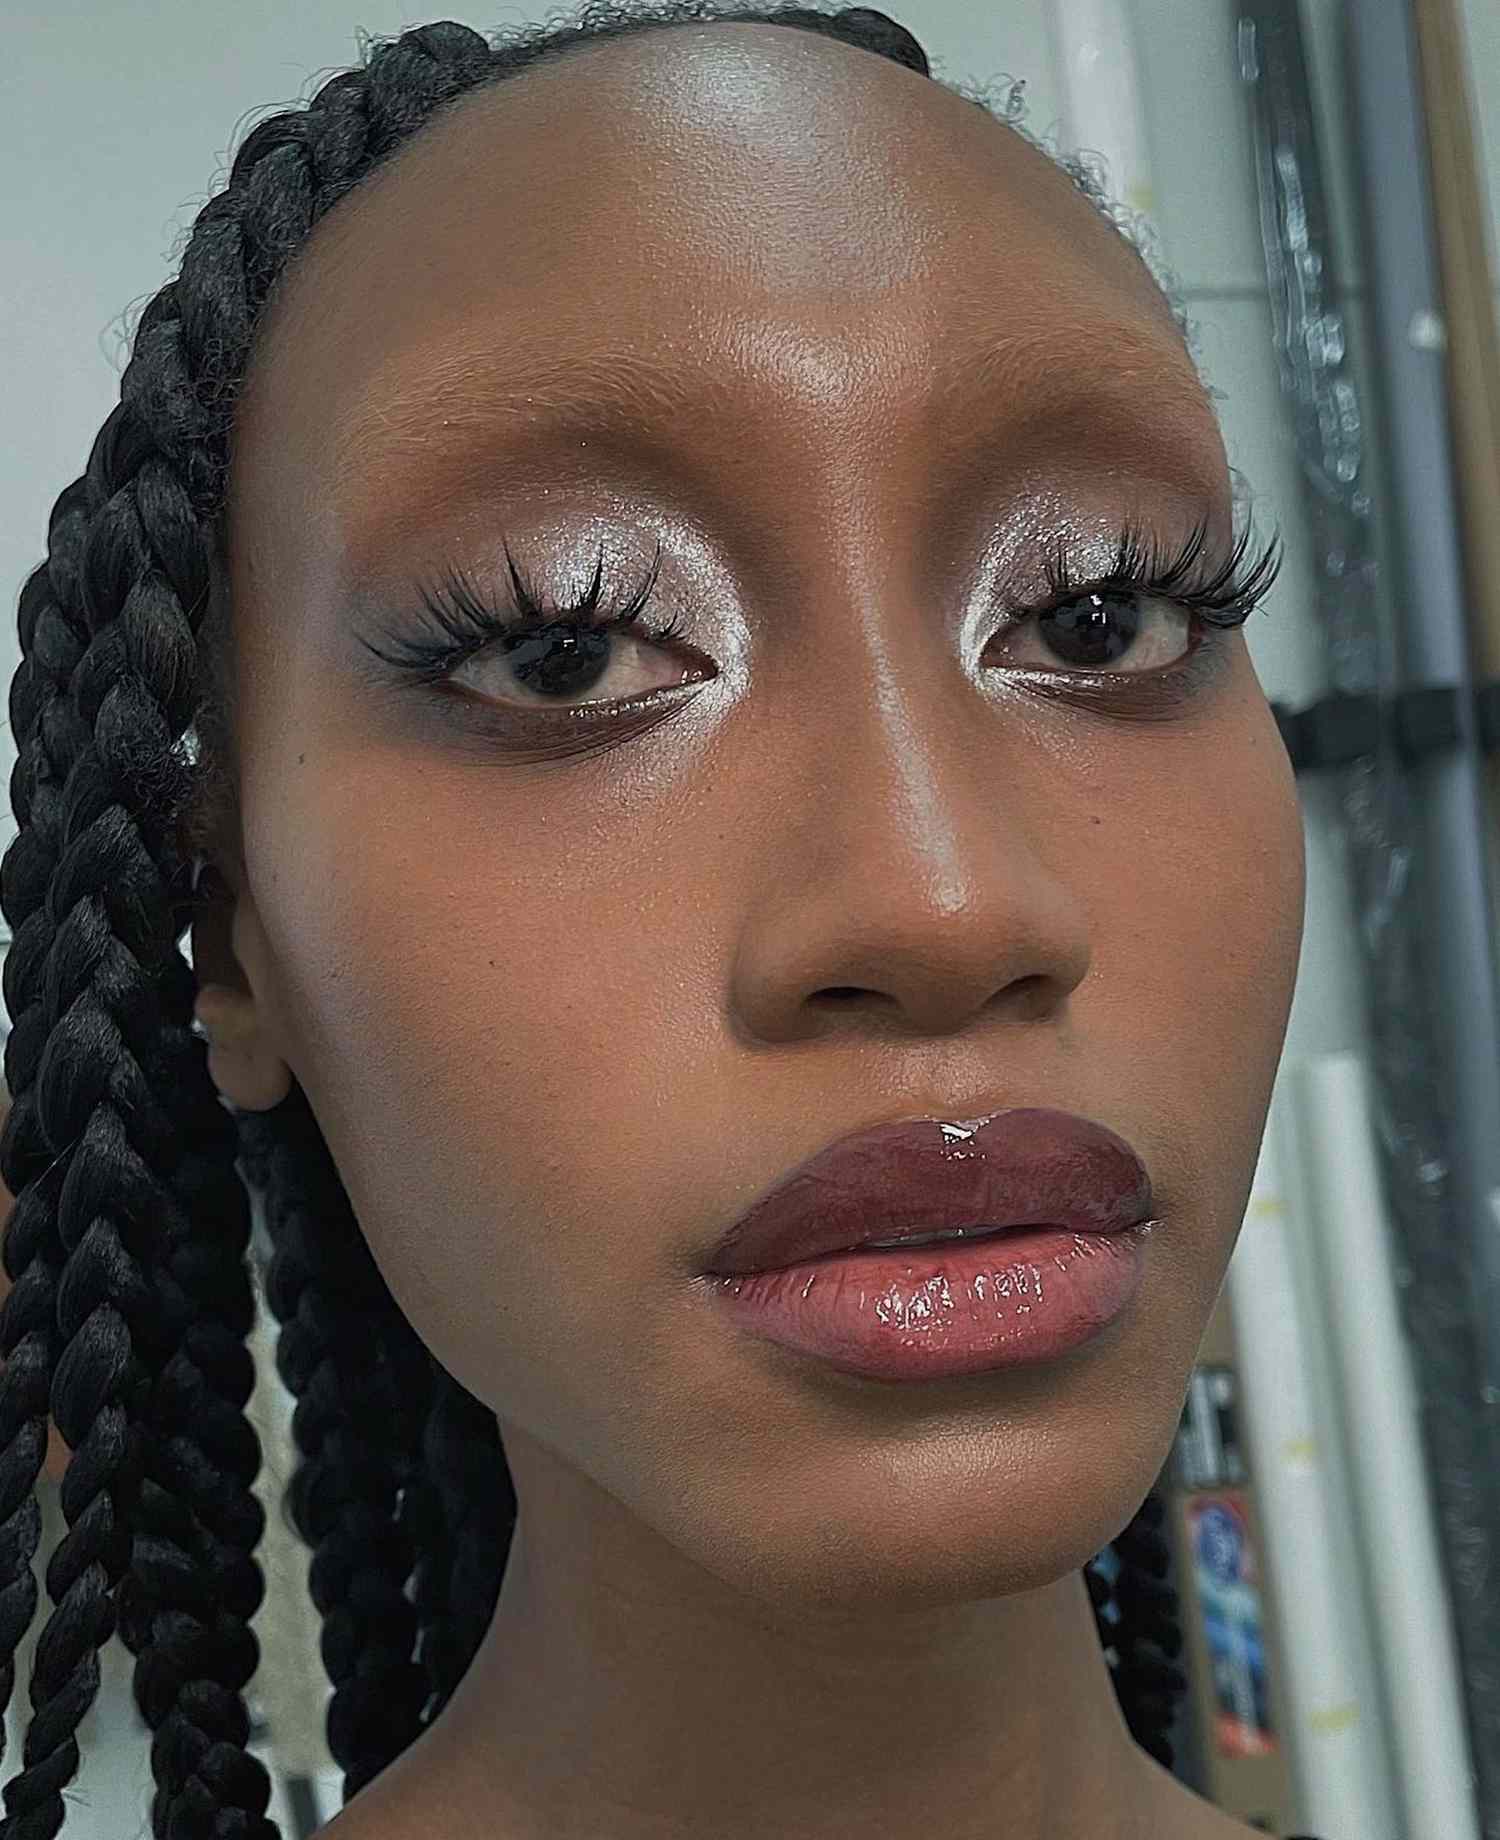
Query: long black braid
132, 1293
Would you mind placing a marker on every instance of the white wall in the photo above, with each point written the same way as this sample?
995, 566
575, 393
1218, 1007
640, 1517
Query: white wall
117, 122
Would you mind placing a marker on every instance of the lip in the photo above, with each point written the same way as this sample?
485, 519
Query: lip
1029, 1166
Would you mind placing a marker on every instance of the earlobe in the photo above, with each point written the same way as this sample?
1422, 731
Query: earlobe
242, 1061
244, 1067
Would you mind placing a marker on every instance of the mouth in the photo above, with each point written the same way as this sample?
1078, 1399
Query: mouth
926, 1181
902, 1242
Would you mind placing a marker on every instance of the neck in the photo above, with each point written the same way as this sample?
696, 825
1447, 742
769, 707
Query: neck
621, 1690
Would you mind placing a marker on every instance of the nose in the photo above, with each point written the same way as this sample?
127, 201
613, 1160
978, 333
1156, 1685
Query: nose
904, 878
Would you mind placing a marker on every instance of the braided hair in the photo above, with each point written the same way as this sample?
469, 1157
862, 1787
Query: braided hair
127, 1249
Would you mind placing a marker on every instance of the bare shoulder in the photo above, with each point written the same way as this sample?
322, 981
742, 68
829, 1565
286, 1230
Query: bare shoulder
1180, 1813
411, 1803
378, 1814
356, 1823
386, 1823
1214, 1824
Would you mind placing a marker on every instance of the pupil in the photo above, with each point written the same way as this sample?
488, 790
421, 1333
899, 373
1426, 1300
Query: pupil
560, 660
1082, 630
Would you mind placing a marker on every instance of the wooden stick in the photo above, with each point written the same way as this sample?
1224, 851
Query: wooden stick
1461, 221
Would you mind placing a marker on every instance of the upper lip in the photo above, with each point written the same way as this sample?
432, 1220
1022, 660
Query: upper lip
1028, 1166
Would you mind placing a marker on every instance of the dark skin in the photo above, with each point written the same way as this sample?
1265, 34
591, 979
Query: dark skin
563, 1017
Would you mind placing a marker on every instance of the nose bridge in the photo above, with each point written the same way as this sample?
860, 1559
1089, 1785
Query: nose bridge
901, 766
888, 753
906, 758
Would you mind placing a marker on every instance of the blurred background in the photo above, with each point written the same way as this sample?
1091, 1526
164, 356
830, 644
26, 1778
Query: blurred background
1321, 181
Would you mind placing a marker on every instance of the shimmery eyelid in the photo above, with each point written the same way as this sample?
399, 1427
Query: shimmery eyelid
465, 618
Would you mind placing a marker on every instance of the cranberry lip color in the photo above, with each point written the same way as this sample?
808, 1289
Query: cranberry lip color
933, 1313
1034, 1222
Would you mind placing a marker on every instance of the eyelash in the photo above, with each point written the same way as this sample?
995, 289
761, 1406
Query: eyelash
1223, 598
468, 621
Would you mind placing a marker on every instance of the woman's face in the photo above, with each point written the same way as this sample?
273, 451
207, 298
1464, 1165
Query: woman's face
856, 359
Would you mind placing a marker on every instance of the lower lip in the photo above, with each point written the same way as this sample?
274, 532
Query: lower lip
957, 1307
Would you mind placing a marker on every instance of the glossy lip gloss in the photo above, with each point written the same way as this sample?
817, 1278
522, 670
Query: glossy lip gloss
1019, 1236
932, 1312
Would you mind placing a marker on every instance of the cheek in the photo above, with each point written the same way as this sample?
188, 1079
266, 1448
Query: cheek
489, 1020
1198, 967
1250, 899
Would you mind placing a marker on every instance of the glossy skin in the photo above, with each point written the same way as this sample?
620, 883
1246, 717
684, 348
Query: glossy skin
563, 1017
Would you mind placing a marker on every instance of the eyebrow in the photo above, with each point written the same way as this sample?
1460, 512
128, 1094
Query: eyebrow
471, 401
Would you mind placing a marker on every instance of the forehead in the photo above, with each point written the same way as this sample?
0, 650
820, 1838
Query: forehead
727, 220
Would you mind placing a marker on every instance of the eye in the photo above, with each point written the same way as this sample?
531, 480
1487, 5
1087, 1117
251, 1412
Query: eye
1164, 611
522, 653
567, 662
1095, 631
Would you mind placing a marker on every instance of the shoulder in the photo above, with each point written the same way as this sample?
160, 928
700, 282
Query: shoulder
415, 1798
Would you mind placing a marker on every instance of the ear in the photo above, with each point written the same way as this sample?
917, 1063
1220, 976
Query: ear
244, 1060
